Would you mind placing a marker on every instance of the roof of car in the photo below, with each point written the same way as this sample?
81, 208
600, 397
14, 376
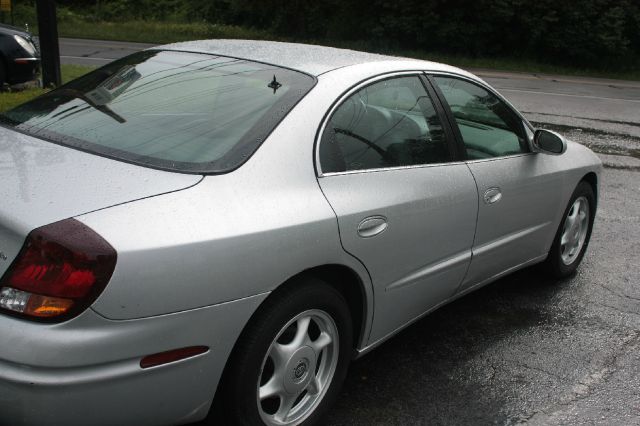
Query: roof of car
11, 30
308, 58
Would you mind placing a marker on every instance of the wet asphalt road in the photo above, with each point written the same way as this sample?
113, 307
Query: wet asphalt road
524, 350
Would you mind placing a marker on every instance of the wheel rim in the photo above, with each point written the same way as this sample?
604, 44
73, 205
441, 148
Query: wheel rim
298, 368
574, 231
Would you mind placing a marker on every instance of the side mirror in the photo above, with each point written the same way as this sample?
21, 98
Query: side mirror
549, 142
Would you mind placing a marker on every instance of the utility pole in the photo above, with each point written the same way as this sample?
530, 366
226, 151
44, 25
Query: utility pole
49, 50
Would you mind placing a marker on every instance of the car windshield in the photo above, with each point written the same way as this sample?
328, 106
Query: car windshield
178, 111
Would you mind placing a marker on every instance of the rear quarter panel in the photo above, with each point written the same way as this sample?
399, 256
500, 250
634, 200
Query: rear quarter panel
231, 236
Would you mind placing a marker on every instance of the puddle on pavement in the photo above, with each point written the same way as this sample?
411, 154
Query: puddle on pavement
601, 142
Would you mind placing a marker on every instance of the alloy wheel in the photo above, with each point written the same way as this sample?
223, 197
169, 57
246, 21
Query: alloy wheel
574, 232
298, 368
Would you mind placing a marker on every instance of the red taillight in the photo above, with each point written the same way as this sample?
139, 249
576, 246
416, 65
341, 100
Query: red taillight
60, 270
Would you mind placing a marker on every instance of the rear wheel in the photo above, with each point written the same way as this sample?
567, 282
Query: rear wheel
572, 237
290, 362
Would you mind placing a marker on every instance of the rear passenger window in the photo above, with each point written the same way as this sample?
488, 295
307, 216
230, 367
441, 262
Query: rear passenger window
489, 128
390, 123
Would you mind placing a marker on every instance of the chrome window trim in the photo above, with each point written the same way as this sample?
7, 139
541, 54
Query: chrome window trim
387, 169
502, 157
339, 101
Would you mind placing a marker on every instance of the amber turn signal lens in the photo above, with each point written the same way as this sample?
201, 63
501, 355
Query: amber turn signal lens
47, 306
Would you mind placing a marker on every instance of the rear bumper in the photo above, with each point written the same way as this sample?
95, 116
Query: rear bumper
87, 371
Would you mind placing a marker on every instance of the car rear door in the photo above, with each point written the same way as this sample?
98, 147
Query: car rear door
518, 196
404, 207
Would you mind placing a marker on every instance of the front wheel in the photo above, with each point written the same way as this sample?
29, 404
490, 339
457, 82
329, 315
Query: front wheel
573, 235
290, 362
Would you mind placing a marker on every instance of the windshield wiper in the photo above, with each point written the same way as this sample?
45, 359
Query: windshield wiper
79, 95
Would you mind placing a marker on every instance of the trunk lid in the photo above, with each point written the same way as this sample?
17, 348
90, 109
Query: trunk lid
41, 183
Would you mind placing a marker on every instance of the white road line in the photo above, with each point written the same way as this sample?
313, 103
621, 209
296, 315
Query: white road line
569, 95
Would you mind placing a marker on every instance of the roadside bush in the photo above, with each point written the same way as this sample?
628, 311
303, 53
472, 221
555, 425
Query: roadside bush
590, 32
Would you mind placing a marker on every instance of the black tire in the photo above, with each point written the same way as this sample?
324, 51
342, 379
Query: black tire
238, 390
554, 264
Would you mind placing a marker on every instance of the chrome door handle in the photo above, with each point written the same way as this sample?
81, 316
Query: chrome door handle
492, 195
372, 226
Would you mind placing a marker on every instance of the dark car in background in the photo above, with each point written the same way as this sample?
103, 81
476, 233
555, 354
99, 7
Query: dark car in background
19, 56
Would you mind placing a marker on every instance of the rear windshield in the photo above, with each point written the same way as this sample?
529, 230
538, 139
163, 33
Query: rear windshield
179, 111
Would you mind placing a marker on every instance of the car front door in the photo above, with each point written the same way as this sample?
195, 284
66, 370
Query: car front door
404, 208
517, 188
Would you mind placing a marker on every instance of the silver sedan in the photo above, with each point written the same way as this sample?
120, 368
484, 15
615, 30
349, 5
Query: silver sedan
215, 229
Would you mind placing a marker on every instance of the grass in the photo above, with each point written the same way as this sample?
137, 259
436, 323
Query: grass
71, 72
9, 100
